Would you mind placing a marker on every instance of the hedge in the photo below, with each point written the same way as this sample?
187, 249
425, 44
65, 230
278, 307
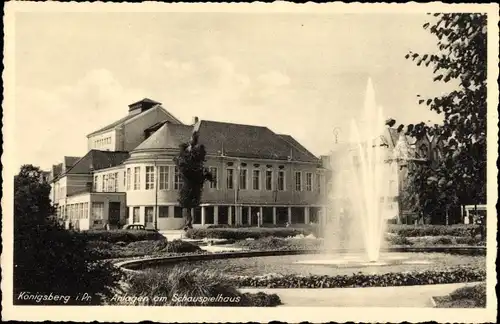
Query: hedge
434, 230
359, 280
114, 236
245, 232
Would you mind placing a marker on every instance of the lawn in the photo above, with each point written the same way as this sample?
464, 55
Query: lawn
466, 297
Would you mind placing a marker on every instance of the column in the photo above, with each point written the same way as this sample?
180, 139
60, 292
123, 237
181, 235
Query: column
203, 215
249, 215
274, 215
289, 215
307, 217
260, 221
230, 214
216, 215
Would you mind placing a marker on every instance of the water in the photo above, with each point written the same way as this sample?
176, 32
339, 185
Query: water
364, 185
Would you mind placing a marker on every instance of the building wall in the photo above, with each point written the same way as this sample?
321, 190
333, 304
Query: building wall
103, 141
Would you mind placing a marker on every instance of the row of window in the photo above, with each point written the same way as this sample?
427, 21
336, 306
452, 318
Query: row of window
108, 182
132, 179
163, 212
102, 142
74, 211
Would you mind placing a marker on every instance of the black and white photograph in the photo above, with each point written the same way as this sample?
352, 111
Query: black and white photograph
317, 162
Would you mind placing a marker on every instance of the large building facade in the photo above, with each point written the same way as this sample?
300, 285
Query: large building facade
129, 175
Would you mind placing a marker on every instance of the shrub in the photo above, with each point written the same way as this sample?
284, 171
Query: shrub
433, 230
184, 286
114, 236
398, 240
463, 274
476, 293
277, 243
179, 246
244, 233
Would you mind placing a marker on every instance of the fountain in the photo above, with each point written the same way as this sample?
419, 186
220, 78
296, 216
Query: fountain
363, 191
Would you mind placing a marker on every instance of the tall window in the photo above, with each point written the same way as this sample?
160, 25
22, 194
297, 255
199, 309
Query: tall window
137, 178
136, 215
163, 212
111, 182
164, 175
309, 181
281, 180
104, 184
128, 178
243, 179
177, 178
298, 181
230, 179
269, 179
150, 177
86, 210
97, 210
214, 172
256, 179
96, 181
148, 211
318, 182
116, 181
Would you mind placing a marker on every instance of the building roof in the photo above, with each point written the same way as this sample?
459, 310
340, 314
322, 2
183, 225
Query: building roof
236, 140
97, 160
168, 136
146, 100
69, 161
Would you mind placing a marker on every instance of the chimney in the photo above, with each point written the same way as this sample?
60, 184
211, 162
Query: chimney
195, 120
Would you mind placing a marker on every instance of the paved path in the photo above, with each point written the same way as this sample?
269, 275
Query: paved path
410, 296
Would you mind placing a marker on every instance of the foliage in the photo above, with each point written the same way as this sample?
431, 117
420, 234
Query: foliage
126, 236
190, 162
278, 243
244, 233
204, 287
47, 258
433, 230
460, 176
462, 274
106, 250
477, 293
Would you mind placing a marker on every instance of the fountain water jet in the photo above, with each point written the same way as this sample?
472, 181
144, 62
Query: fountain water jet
364, 185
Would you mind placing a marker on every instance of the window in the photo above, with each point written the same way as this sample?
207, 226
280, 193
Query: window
243, 179
136, 215
124, 179
111, 182
298, 181
214, 172
97, 210
128, 178
177, 179
96, 181
148, 211
177, 212
80, 210
164, 175
318, 182
269, 179
104, 182
163, 212
281, 180
86, 210
230, 179
309, 180
256, 179
137, 179
150, 177
116, 182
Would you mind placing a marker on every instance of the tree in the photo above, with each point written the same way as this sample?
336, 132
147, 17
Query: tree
461, 58
190, 161
47, 258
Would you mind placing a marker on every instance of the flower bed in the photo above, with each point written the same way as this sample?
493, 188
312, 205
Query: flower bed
278, 243
106, 250
183, 286
115, 236
434, 230
363, 280
241, 233
465, 297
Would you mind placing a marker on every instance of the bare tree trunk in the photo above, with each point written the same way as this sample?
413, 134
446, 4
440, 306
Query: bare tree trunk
187, 218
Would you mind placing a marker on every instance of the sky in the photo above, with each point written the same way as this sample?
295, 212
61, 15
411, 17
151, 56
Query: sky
299, 74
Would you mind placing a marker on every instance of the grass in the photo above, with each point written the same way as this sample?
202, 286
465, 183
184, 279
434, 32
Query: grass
184, 286
465, 297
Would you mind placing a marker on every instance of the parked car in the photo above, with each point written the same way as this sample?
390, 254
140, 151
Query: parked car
136, 227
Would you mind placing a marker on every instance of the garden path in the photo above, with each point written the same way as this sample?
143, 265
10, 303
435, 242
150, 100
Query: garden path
408, 296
